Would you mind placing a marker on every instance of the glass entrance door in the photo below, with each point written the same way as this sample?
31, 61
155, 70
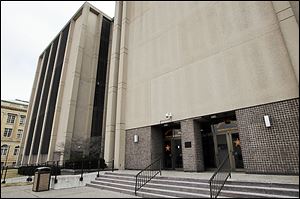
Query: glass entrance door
173, 151
167, 154
221, 148
236, 151
227, 141
177, 157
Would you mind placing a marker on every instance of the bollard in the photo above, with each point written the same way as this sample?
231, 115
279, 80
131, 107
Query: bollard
98, 167
81, 177
56, 170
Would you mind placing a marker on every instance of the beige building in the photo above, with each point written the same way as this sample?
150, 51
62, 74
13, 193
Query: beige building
199, 80
189, 82
67, 102
13, 117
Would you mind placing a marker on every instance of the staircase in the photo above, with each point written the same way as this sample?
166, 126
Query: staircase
171, 187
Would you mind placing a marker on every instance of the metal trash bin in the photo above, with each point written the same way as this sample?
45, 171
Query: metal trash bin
42, 176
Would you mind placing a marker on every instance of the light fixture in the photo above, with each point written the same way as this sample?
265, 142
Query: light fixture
135, 138
168, 115
267, 121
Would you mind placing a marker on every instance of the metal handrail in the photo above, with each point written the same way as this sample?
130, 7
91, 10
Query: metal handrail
215, 184
150, 172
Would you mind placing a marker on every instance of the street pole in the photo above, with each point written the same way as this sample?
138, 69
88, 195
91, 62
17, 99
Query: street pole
5, 165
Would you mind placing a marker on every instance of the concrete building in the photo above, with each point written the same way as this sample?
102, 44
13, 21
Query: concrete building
66, 111
199, 80
189, 82
13, 117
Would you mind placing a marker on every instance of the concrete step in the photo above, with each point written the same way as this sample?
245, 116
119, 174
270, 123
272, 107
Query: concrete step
162, 186
267, 188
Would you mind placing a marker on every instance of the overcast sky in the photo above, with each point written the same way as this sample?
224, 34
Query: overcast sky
27, 27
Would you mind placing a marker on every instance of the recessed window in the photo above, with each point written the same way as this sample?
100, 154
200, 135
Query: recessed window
22, 119
16, 151
10, 118
4, 149
19, 134
7, 132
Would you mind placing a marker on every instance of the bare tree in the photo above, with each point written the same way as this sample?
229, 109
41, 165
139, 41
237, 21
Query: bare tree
79, 148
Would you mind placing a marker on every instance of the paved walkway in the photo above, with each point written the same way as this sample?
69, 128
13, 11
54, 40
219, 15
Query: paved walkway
78, 192
89, 192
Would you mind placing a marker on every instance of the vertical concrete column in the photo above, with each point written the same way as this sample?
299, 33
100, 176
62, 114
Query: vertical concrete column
33, 158
2, 119
112, 86
60, 92
93, 76
76, 73
121, 96
106, 93
156, 143
29, 111
290, 31
193, 159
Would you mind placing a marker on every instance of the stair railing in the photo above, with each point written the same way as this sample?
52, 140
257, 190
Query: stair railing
219, 178
145, 175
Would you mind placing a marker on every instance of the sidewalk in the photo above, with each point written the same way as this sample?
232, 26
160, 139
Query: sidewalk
78, 192
89, 192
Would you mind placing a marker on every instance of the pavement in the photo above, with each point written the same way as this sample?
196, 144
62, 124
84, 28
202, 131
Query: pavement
90, 192
78, 192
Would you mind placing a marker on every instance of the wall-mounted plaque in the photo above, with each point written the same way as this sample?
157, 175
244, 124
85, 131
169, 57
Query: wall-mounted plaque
187, 144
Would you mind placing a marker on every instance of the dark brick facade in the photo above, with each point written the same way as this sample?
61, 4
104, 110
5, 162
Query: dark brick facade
275, 149
193, 159
265, 150
149, 147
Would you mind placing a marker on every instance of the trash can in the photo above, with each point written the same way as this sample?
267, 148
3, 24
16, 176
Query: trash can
42, 176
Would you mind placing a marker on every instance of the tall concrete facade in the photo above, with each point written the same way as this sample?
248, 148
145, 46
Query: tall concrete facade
67, 114
191, 83
201, 62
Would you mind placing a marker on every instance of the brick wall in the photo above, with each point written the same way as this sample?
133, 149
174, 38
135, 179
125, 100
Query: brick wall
272, 150
156, 143
149, 147
193, 159
138, 155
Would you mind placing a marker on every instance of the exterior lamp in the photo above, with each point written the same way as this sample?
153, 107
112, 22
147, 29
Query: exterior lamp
267, 121
135, 138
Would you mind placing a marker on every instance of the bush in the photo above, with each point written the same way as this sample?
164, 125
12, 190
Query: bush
87, 164
30, 170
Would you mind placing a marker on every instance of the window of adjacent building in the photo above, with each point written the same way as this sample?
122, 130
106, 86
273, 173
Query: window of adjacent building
11, 118
4, 149
14, 163
7, 132
19, 134
22, 119
16, 151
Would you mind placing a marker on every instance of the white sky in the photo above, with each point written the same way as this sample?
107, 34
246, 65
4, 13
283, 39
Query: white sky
27, 27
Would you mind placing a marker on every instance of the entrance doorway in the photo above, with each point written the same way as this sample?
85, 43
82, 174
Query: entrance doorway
220, 137
172, 149
227, 141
